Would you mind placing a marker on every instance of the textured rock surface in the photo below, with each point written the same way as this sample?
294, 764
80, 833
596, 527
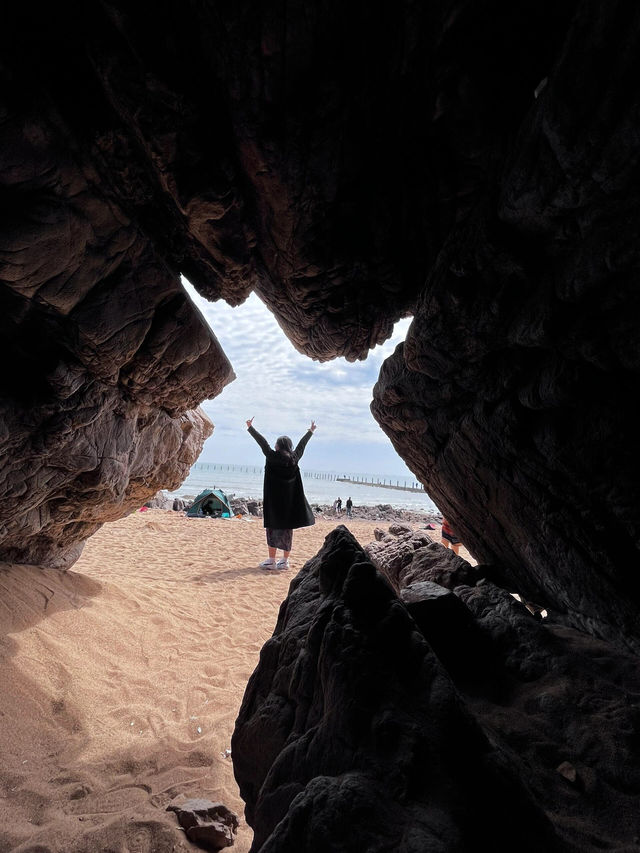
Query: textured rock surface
355, 736
210, 825
397, 765
108, 360
515, 391
121, 461
409, 556
474, 165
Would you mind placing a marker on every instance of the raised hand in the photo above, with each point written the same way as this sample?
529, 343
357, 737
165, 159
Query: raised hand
313, 426
250, 422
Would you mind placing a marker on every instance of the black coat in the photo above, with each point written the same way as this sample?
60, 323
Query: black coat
285, 506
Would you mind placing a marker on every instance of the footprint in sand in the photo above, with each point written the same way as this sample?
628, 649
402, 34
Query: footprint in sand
117, 800
140, 840
80, 792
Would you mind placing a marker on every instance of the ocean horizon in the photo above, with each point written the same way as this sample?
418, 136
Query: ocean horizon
321, 487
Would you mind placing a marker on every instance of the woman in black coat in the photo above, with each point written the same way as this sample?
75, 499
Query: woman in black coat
284, 505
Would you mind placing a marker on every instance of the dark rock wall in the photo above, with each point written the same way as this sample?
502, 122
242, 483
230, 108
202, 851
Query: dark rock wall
365, 132
356, 734
514, 395
141, 111
339, 742
105, 360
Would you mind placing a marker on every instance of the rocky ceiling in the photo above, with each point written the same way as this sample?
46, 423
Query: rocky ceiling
474, 165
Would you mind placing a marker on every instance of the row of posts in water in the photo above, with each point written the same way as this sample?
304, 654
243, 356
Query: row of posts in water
357, 479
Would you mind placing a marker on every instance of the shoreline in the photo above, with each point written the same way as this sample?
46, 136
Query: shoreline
252, 507
247, 482
190, 493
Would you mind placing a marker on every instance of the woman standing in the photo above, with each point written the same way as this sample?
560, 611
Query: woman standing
285, 507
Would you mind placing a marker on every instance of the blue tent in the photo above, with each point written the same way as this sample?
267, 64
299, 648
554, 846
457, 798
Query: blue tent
211, 502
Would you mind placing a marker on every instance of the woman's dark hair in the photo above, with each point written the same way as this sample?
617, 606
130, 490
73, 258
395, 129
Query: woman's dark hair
284, 445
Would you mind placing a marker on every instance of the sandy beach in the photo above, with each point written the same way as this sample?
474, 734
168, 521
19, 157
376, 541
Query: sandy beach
123, 677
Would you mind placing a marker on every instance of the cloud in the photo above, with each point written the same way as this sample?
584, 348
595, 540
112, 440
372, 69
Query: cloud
285, 390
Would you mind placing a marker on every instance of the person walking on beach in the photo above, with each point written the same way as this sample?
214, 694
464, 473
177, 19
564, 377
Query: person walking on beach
285, 506
349, 505
449, 538
338, 506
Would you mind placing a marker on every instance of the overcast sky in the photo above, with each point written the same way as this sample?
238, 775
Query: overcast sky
286, 391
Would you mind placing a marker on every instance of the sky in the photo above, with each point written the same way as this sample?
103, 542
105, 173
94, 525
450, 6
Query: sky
285, 390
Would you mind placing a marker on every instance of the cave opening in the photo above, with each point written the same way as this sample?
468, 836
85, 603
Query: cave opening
285, 390
262, 358
473, 165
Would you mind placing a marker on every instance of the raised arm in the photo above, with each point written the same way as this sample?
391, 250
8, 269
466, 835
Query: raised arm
303, 441
264, 444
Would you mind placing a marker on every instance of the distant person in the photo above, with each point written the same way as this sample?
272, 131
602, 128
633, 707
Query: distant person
349, 506
285, 506
449, 538
339, 506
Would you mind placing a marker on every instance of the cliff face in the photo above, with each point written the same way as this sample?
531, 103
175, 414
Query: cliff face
392, 712
474, 166
515, 390
105, 359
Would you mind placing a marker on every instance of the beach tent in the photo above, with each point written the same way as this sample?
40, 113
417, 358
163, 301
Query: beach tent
212, 502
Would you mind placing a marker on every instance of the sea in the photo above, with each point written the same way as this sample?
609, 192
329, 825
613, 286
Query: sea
321, 487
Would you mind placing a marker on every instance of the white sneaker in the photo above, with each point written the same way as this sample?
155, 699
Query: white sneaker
282, 564
269, 563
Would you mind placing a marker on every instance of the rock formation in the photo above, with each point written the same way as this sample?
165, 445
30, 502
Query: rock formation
106, 359
472, 165
356, 734
513, 395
